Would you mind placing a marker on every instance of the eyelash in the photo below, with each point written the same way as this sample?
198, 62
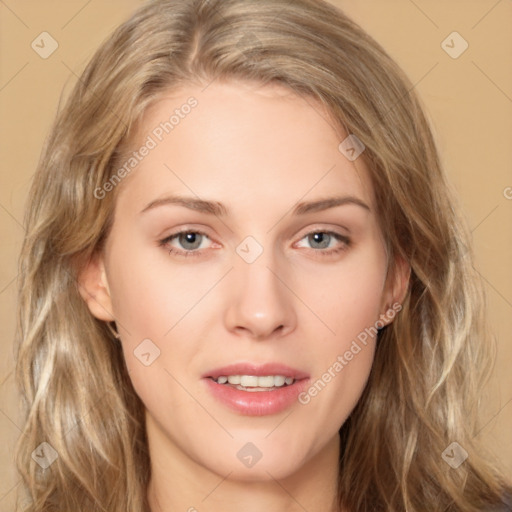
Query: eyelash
346, 242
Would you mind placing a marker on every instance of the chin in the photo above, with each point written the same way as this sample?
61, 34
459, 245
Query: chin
257, 462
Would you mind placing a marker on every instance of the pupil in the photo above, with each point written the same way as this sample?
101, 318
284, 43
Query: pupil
321, 239
192, 239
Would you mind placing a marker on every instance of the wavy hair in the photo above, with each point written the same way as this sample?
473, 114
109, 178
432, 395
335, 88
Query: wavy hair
430, 362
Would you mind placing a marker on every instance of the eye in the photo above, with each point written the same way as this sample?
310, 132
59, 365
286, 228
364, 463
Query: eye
189, 242
185, 243
322, 240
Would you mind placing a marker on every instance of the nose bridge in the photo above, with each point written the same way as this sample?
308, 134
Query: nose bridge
260, 303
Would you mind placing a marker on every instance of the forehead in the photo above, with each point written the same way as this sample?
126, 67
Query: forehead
243, 144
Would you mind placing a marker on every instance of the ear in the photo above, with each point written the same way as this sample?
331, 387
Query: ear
93, 287
397, 284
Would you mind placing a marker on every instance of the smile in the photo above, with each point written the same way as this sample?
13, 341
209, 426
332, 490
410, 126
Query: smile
255, 382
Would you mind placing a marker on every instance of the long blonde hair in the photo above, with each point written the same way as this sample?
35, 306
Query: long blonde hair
421, 395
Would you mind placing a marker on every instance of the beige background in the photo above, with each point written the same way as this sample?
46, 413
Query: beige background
469, 100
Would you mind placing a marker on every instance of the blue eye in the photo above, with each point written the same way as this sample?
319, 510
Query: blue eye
320, 240
189, 242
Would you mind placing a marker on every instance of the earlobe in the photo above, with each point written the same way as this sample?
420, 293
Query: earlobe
94, 289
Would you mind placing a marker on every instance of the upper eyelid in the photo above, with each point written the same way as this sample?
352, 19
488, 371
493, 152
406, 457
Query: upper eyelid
192, 229
168, 239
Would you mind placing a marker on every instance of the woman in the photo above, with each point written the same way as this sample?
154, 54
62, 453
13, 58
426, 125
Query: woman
244, 280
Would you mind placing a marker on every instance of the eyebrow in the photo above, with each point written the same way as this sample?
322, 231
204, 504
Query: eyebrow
218, 209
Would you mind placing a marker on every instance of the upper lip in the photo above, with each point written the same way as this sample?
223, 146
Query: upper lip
258, 370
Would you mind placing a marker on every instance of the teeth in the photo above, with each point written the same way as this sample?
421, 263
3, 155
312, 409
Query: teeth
253, 381
249, 381
279, 380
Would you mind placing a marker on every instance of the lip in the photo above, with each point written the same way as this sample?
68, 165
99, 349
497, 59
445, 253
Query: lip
256, 403
258, 370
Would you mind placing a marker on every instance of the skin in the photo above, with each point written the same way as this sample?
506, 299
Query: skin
258, 151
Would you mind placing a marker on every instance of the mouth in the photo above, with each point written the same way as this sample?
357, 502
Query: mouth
254, 383
256, 390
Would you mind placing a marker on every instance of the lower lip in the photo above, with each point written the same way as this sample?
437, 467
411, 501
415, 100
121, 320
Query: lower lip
257, 403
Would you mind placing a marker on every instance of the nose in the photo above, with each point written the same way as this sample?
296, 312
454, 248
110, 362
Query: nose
260, 304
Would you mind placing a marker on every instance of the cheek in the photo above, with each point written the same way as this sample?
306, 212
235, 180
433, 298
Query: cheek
347, 297
160, 308
358, 301
349, 305
150, 294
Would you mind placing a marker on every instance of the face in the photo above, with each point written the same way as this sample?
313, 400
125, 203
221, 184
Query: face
244, 243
